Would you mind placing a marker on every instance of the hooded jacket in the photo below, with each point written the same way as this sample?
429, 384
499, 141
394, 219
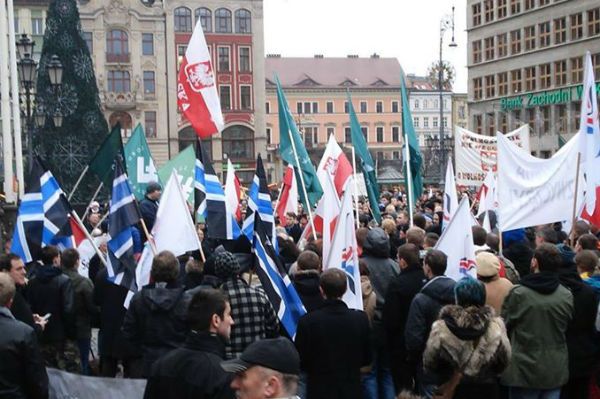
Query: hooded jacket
156, 320
537, 313
306, 283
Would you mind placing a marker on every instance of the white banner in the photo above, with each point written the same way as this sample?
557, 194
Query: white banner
534, 191
476, 154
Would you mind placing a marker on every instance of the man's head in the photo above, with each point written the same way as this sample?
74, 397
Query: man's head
431, 240
493, 241
546, 258
416, 236
479, 235
419, 220
209, 310
226, 265
488, 265
435, 263
402, 219
408, 256
165, 267
70, 259
586, 261
153, 191
308, 260
94, 219
13, 265
267, 369
580, 228
51, 256
333, 283
290, 219
545, 235
7, 290
587, 241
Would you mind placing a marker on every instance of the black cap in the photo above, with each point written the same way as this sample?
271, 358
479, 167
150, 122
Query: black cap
277, 354
152, 187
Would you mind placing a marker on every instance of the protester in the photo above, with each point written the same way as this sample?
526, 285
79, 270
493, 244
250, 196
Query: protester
156, 316
537, 313
50, 293
22, 371
306, 280
586, 262
424, 310
430, 241
267, 369
369, 297
401, 292
96, 263
587, 241
389, 226
292, 227
194, 370
545, 234
496, 287
149, 205
250, 308
517, 250
468, 344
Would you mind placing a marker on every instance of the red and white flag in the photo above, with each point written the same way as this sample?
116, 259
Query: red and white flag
232, 192
197, 95
288, 201
488, 199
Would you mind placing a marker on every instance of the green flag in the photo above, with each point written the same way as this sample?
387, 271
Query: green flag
102, 163
183, 165
140, 165
561, 141
410, 137
366, 161
288, 131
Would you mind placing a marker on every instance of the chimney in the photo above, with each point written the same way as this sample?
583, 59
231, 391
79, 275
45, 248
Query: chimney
352, 55
374, 55
273, 55
319, 56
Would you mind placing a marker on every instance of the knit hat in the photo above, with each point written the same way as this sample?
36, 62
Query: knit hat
488, 264
567, 255
226, 265
469, 292
511, 236
152, 187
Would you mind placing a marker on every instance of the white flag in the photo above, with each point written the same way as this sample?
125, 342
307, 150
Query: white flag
343, 254
450, 196
457, 243
488, 199
232, 191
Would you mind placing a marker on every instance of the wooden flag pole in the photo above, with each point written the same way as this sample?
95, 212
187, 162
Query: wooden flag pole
149, 237
78, 182
409, 182
355, 187
89, 237
574, 214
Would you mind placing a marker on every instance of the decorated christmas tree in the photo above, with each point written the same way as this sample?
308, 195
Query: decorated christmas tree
68, 149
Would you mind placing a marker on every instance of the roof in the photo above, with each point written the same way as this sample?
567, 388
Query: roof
419, 83
328, 72
389, 175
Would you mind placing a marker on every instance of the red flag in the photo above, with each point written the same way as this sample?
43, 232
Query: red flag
197, 95
288, 201
78, 232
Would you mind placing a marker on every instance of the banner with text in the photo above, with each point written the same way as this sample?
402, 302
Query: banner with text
476, 154
534, 191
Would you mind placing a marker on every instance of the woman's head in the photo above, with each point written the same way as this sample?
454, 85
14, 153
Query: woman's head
469, 292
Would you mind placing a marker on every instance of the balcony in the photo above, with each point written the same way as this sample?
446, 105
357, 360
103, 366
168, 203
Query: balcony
117, 58
119, 101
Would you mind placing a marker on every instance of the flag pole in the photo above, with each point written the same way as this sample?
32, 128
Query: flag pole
409, 181
89, 237
78, 182
355, 187
574, 217
149, 238
87, 209
309, 205
278, 198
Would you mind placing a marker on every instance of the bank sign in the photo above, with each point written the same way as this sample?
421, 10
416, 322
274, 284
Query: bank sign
550, 97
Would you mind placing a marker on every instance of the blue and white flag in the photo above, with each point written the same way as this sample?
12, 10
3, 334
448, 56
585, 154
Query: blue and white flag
124, 214
259, 204
210, 199
275, 282
57, 229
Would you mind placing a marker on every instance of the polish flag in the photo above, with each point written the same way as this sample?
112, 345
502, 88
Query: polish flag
288, 201
197, 95
232, 192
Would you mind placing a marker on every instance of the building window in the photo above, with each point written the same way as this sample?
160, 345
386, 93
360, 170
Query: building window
117, 43
246, 97
88, 37
545, 111
346, 107
593, 22
489, 48
561, 113
268, 107
299, 108
238, 143
435, 121
395, 155
118, 81
183, 19
560, 72
529, 4
244, 62
515, 41
223, 21
516, 84
545, 78
502, 45
476, 8
307, 108
477, 122
243, 21
379, 134
596, 64
396, 134
576, 70
330, 132
147, 44
477, 89
311, 136
476, 51
515, 7
445, 121
529, 38
489, 10
490, 86
545, 34
435, 104
37, 26
330, 107
205, 16
576, 26
416, 104
150, 124
379, 107
502, 8
491, 124
503, 84
415, 121
347, 135
395, 107
315, 107
544, 2
225, 94
530, 79
560, 30
149, 83
503, 123
223, 59
269, 138
365, 132
575, 113
363, 107
425, 122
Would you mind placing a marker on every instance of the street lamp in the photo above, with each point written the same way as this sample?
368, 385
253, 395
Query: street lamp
55, 70
447, 22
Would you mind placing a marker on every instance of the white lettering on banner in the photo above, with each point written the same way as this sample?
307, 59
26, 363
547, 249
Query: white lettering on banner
145, 173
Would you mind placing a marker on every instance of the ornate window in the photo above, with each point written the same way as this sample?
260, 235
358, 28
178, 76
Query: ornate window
117, 46
243, 21
223, 20
150, 123
183, 19
205, 16
118, 82
238, 142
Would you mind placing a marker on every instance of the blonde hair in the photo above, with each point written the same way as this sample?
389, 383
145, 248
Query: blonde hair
389, 226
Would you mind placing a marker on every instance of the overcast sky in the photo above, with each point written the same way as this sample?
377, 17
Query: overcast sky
404, 29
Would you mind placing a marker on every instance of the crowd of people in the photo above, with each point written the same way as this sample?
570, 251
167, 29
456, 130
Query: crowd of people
526, 327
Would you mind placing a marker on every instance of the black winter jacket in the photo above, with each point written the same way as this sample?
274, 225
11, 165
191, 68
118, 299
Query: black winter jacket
148, 209
192, 371
22, 371
84, 307
306, 283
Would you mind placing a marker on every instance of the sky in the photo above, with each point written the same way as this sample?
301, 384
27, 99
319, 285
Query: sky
406, 30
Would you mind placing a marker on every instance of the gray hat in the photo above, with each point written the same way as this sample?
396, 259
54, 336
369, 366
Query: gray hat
152, 187
277, 354
226, 265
